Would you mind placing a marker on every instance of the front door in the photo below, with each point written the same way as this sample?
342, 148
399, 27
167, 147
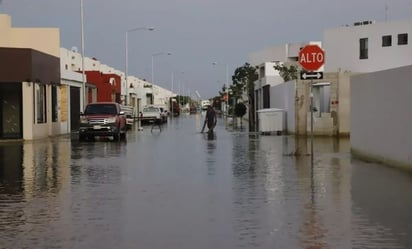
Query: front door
11, 111
74, 108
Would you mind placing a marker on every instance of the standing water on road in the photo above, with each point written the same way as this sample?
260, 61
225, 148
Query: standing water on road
178, 188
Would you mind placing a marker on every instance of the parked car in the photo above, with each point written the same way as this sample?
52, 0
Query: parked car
174, 107
151, 114
130, 117
164, 114
104, 119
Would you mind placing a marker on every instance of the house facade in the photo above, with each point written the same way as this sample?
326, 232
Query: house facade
364, 47
43, 90
350, 50
292, 97
110, 84
29, 81
368, 46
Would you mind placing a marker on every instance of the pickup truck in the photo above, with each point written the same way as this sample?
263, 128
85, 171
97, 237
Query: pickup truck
103, 119
151, 114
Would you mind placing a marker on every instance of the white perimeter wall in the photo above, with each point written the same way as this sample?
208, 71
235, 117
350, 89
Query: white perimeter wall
282, 96
381, 119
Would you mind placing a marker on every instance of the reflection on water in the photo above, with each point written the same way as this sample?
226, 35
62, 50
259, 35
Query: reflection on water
11, 170
178, 189
280, 198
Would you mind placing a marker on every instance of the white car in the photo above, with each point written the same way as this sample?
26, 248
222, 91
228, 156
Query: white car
164, 114
151, 114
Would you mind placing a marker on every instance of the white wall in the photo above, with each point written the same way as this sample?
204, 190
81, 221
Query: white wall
282, 96
341, 47
381, 117
28, 113
270, 70
343, 107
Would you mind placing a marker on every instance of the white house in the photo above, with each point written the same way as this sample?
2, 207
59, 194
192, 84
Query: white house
368, 46
265, 60
363, 47
283, 53
270, 89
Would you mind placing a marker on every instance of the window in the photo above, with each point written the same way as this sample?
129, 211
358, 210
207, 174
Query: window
402, 39
149, 99
262, 72
386, 41
363, 48
41, 116
266, 96
54, 104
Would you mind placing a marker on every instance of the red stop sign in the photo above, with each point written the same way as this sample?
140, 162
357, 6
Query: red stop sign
311, 57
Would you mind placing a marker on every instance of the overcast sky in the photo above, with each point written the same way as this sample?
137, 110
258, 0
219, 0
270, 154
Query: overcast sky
197, 32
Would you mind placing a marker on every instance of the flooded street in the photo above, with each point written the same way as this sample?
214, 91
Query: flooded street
178, 188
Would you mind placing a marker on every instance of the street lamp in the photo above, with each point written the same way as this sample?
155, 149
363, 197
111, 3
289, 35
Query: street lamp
227, 88
127, 57
173, 79
82, 51
156, 54
227, 73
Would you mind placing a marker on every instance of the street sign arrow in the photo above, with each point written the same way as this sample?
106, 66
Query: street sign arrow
311, 75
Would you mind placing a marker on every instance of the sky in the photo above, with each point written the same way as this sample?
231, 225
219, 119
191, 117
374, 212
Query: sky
204, 36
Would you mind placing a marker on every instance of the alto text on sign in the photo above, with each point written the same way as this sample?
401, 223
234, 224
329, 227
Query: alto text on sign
311, 57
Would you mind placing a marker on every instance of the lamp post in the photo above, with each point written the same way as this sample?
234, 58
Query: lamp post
82, 51
156, 54
178, 99
171, 98
127, 57
227, 89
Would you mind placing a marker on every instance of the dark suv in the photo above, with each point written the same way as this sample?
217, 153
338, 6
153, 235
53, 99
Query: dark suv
103, 119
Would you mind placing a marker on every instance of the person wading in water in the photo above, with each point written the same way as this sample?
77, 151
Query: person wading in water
210, 119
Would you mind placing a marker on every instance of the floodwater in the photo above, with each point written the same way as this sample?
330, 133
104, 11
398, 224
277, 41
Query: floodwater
178, 188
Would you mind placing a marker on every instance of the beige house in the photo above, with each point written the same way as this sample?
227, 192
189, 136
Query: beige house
29, 81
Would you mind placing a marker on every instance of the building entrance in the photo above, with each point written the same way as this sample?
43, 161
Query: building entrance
10, 111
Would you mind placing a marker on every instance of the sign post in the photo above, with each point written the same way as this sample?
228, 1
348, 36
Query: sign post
311, 58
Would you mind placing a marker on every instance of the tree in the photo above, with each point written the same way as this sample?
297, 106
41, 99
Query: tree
244, 80
287, 73
240, 111
216, 103
223, 92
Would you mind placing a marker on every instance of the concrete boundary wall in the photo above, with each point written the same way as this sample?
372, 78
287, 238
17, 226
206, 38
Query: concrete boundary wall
381, 119
282, 96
